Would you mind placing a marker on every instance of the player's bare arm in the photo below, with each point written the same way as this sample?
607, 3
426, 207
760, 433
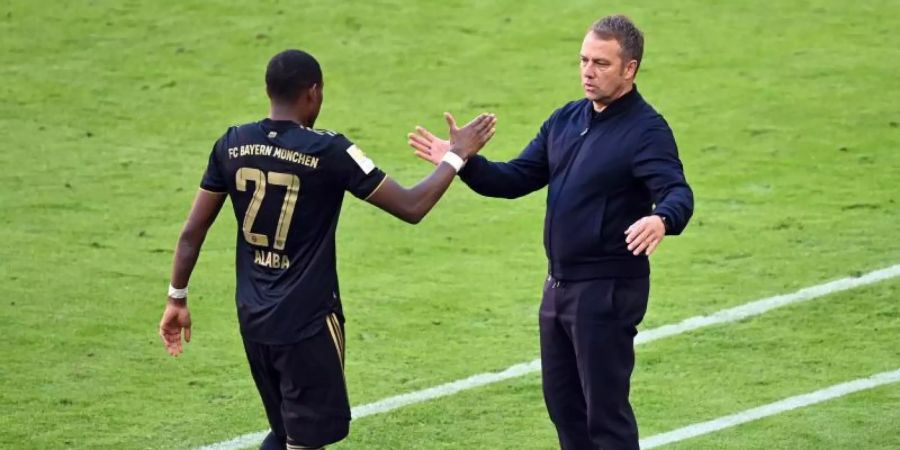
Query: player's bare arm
411, 205
176, 318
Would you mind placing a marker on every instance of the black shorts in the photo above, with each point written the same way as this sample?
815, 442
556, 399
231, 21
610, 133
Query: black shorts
302, 386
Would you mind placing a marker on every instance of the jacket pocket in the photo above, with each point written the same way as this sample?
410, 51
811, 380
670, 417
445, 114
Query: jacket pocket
599, 225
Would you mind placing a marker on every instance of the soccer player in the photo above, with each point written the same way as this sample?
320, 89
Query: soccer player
286, 181
615, 189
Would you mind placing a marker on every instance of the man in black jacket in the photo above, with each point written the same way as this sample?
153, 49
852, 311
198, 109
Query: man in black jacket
616, 188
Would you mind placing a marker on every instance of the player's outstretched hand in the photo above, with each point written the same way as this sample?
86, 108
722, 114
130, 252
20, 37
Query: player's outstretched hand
432, 148
176, 318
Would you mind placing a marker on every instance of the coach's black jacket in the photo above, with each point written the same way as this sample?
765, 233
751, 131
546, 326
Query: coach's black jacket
605, 171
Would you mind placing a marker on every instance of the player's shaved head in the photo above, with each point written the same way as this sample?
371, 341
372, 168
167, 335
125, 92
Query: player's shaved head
291, 72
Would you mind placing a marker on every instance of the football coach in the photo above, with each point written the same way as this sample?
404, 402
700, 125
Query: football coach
616, 189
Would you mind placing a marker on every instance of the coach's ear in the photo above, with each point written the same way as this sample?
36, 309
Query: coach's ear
631, 69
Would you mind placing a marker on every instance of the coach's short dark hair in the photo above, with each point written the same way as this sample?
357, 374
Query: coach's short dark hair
289, 73
625, 32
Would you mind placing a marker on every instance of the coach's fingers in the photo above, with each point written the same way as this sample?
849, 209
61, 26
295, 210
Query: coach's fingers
423, 132
419, 143
641, 247
417, 147
420, 139
425, 156
652, 247
633, 231
642, 239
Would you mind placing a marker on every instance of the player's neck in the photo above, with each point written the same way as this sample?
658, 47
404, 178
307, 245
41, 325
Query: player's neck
278, 112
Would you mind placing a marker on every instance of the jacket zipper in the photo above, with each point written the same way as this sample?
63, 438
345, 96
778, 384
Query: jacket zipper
562, 185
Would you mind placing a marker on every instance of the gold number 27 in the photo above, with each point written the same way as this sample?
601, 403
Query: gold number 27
290, 181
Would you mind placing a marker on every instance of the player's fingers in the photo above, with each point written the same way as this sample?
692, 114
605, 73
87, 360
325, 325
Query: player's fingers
170, 346
187, 333
485, 122
451, 122
478, 123
487, 135
492, 123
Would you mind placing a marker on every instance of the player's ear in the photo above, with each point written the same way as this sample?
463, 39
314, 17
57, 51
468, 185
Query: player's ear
315, 92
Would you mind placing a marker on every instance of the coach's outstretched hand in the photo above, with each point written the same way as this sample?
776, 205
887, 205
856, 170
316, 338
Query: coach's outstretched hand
465, 142
176, 317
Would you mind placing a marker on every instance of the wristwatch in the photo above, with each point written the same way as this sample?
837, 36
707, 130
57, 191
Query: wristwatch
664, 220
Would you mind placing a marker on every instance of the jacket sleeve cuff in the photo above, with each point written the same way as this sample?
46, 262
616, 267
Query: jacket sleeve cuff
673, 227
470, 171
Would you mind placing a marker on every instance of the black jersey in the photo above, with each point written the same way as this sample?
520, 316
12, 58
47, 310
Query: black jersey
286, 184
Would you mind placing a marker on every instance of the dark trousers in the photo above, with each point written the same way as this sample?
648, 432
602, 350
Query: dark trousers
587, 355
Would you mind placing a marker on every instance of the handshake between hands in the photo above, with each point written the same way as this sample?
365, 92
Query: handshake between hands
643, 236
465, 142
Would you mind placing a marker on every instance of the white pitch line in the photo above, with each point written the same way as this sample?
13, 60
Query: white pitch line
788, 404
729, 315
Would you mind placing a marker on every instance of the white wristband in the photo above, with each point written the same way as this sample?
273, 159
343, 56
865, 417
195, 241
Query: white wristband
177, 293
454, 160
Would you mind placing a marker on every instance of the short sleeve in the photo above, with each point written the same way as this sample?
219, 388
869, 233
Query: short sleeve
213, 179
360, 175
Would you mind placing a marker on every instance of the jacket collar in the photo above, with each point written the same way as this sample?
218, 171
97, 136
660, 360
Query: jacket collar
619, 105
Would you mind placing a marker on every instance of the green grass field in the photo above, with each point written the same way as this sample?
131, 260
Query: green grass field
787, 120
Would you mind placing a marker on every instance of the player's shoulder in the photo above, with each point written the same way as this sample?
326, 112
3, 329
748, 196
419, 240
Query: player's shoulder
318, 141
234, 135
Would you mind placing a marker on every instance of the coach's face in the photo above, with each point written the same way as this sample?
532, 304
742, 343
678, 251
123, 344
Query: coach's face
605, 76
